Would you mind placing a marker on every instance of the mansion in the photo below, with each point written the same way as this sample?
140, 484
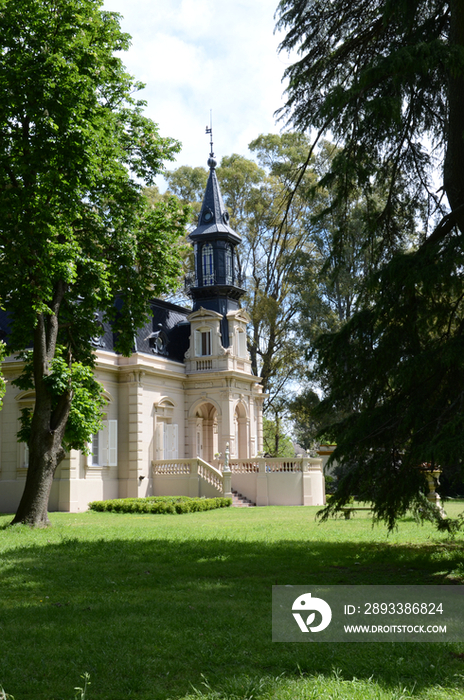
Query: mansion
177, 406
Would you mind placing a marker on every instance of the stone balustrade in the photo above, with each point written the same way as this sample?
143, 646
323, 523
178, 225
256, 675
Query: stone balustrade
264, 480
189, 477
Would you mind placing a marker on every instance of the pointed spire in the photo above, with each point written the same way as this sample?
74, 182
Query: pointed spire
217, 279
212, 162
214, 217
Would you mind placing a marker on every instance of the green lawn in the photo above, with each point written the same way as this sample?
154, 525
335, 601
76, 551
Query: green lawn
179, 606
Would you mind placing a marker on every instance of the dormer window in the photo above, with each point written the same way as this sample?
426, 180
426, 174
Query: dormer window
207, 258
202, 343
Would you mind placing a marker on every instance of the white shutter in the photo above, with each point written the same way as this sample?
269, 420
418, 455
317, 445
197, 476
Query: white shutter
175, 441
103, 445
171, 442
112, 443
160, 441
198, 343
165, 441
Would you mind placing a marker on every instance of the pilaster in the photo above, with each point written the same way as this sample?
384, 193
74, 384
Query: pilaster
135, 463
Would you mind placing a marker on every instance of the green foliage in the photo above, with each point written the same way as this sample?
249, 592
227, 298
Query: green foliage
376, 75
276, 441
87, 402
188, 184
329, 485
387, 80
78, 237
306, 426
160, 505
70, 199
400, 404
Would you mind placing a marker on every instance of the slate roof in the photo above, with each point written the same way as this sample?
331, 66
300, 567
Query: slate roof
167, 321
214, 217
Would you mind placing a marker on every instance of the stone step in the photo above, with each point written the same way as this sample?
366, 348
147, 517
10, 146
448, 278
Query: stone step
240, 501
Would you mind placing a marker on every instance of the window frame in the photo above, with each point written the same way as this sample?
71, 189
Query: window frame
203, 342
207, 264
106, 443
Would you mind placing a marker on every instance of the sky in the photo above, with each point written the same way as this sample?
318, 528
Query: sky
200, 55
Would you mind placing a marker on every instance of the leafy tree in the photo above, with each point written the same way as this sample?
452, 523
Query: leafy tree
305, 425
276, 441
332, 284
275, 242
377, 74
188, 185
346, 243
387, 79
76, 232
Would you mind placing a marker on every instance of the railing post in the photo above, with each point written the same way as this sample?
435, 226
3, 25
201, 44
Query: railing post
313, 482
306, 494
262, 486
194, 481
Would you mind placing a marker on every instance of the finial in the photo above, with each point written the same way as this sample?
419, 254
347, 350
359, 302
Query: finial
212, 162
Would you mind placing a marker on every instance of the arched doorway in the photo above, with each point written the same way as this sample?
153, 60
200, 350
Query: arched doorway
166, 432
206, 432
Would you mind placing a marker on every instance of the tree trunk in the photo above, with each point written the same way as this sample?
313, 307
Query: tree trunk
48, 424
45, 454
32, 509
277, 435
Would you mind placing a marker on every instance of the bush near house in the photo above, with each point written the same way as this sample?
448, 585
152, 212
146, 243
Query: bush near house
160, 504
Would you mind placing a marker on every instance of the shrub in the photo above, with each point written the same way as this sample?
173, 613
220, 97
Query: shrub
160, 504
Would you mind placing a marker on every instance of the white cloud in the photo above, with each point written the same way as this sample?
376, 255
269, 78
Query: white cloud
197, 55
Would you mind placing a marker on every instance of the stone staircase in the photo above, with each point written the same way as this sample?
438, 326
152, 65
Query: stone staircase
239, 501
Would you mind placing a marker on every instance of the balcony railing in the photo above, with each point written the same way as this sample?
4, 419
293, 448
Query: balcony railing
191, 281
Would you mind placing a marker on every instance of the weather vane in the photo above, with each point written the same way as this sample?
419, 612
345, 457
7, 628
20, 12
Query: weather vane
209, 130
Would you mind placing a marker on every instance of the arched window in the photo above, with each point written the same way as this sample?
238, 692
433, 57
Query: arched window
207, 264
229, 268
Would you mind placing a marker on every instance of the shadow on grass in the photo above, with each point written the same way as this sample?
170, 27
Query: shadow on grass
149, 618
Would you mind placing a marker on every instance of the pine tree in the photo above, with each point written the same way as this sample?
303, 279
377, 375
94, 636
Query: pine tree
387, 79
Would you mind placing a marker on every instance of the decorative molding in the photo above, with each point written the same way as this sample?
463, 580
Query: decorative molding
240, 315
203, 313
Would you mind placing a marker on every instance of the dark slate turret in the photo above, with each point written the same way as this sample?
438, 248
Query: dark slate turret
217, 281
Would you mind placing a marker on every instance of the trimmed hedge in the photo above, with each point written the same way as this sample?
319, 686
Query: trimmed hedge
160, 504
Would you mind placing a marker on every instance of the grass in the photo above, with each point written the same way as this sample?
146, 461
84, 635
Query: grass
159, 607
